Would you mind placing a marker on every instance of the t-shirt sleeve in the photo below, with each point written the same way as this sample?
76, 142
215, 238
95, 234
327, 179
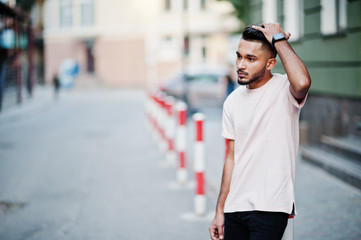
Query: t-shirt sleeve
227, 122
293, 102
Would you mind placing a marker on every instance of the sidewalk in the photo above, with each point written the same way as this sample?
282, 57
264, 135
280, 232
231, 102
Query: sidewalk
43, 97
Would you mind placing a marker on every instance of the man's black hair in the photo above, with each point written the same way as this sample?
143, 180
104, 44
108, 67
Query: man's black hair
251, 34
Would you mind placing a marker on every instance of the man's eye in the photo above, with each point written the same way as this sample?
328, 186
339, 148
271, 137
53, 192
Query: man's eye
251, 59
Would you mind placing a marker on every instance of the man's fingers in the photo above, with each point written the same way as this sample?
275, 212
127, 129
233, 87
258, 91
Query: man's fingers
257, 28
220, 232
288, 35
213, 232
262, 29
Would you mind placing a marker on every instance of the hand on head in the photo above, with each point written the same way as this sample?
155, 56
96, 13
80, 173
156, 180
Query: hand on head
270, 29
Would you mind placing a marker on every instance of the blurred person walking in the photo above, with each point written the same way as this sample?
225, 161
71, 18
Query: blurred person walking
230, 80
56, 84
260, 120
2, 81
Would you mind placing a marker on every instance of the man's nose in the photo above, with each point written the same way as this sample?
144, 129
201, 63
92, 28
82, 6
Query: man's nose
241, 64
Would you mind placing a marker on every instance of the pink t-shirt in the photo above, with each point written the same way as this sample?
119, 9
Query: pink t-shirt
264, 124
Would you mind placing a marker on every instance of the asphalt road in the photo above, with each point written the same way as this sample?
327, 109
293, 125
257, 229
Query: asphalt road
86, 167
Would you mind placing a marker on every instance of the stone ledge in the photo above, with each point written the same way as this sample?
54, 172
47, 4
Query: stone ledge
342, 168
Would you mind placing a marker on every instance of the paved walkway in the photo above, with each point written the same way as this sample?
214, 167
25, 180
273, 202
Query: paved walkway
42, 99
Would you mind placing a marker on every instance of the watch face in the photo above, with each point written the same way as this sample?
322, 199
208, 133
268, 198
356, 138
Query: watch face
278, 36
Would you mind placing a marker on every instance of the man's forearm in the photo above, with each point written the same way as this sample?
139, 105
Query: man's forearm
296, 70
226, 182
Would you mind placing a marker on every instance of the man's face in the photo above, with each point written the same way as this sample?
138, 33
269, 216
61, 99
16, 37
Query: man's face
251, 62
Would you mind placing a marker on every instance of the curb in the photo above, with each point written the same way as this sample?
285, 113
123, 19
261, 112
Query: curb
341, 168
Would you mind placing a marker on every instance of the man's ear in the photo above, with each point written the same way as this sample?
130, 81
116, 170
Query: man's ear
271, 63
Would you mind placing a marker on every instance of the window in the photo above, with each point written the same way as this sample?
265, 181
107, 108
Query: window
333, 16
204, 52
203, 4
204, 48
87, 12
185, 4
65, 13
169, 48
293, 22
186, 46
167, 5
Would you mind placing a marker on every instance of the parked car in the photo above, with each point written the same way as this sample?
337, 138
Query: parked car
199, 87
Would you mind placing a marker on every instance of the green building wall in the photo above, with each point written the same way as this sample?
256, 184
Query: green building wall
334, 62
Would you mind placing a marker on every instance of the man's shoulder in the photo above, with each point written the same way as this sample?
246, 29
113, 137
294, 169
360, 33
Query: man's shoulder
279, 80
231, 99
236, 92
280, 76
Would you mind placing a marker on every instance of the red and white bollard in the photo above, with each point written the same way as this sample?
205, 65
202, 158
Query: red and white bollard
226, 148
288, 234
161, 121
199, 166
156, 116
181, 142
170, 130
152, 105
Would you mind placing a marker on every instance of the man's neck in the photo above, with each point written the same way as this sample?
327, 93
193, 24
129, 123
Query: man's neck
260, 82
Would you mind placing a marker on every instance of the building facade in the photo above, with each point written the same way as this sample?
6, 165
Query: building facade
136, 43
326, 34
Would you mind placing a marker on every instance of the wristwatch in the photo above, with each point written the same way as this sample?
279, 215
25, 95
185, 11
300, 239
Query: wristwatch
277, 37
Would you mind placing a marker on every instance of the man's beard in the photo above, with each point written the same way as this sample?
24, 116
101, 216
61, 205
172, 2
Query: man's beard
257, 76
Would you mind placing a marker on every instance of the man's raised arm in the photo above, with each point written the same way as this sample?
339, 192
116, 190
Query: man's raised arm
300, 80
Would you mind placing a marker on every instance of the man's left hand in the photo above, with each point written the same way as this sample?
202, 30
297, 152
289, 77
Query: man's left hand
270, 29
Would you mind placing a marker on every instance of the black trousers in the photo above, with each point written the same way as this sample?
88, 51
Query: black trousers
255, 225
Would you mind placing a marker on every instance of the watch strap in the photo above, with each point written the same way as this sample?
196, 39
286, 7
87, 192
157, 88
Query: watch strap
277, 37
